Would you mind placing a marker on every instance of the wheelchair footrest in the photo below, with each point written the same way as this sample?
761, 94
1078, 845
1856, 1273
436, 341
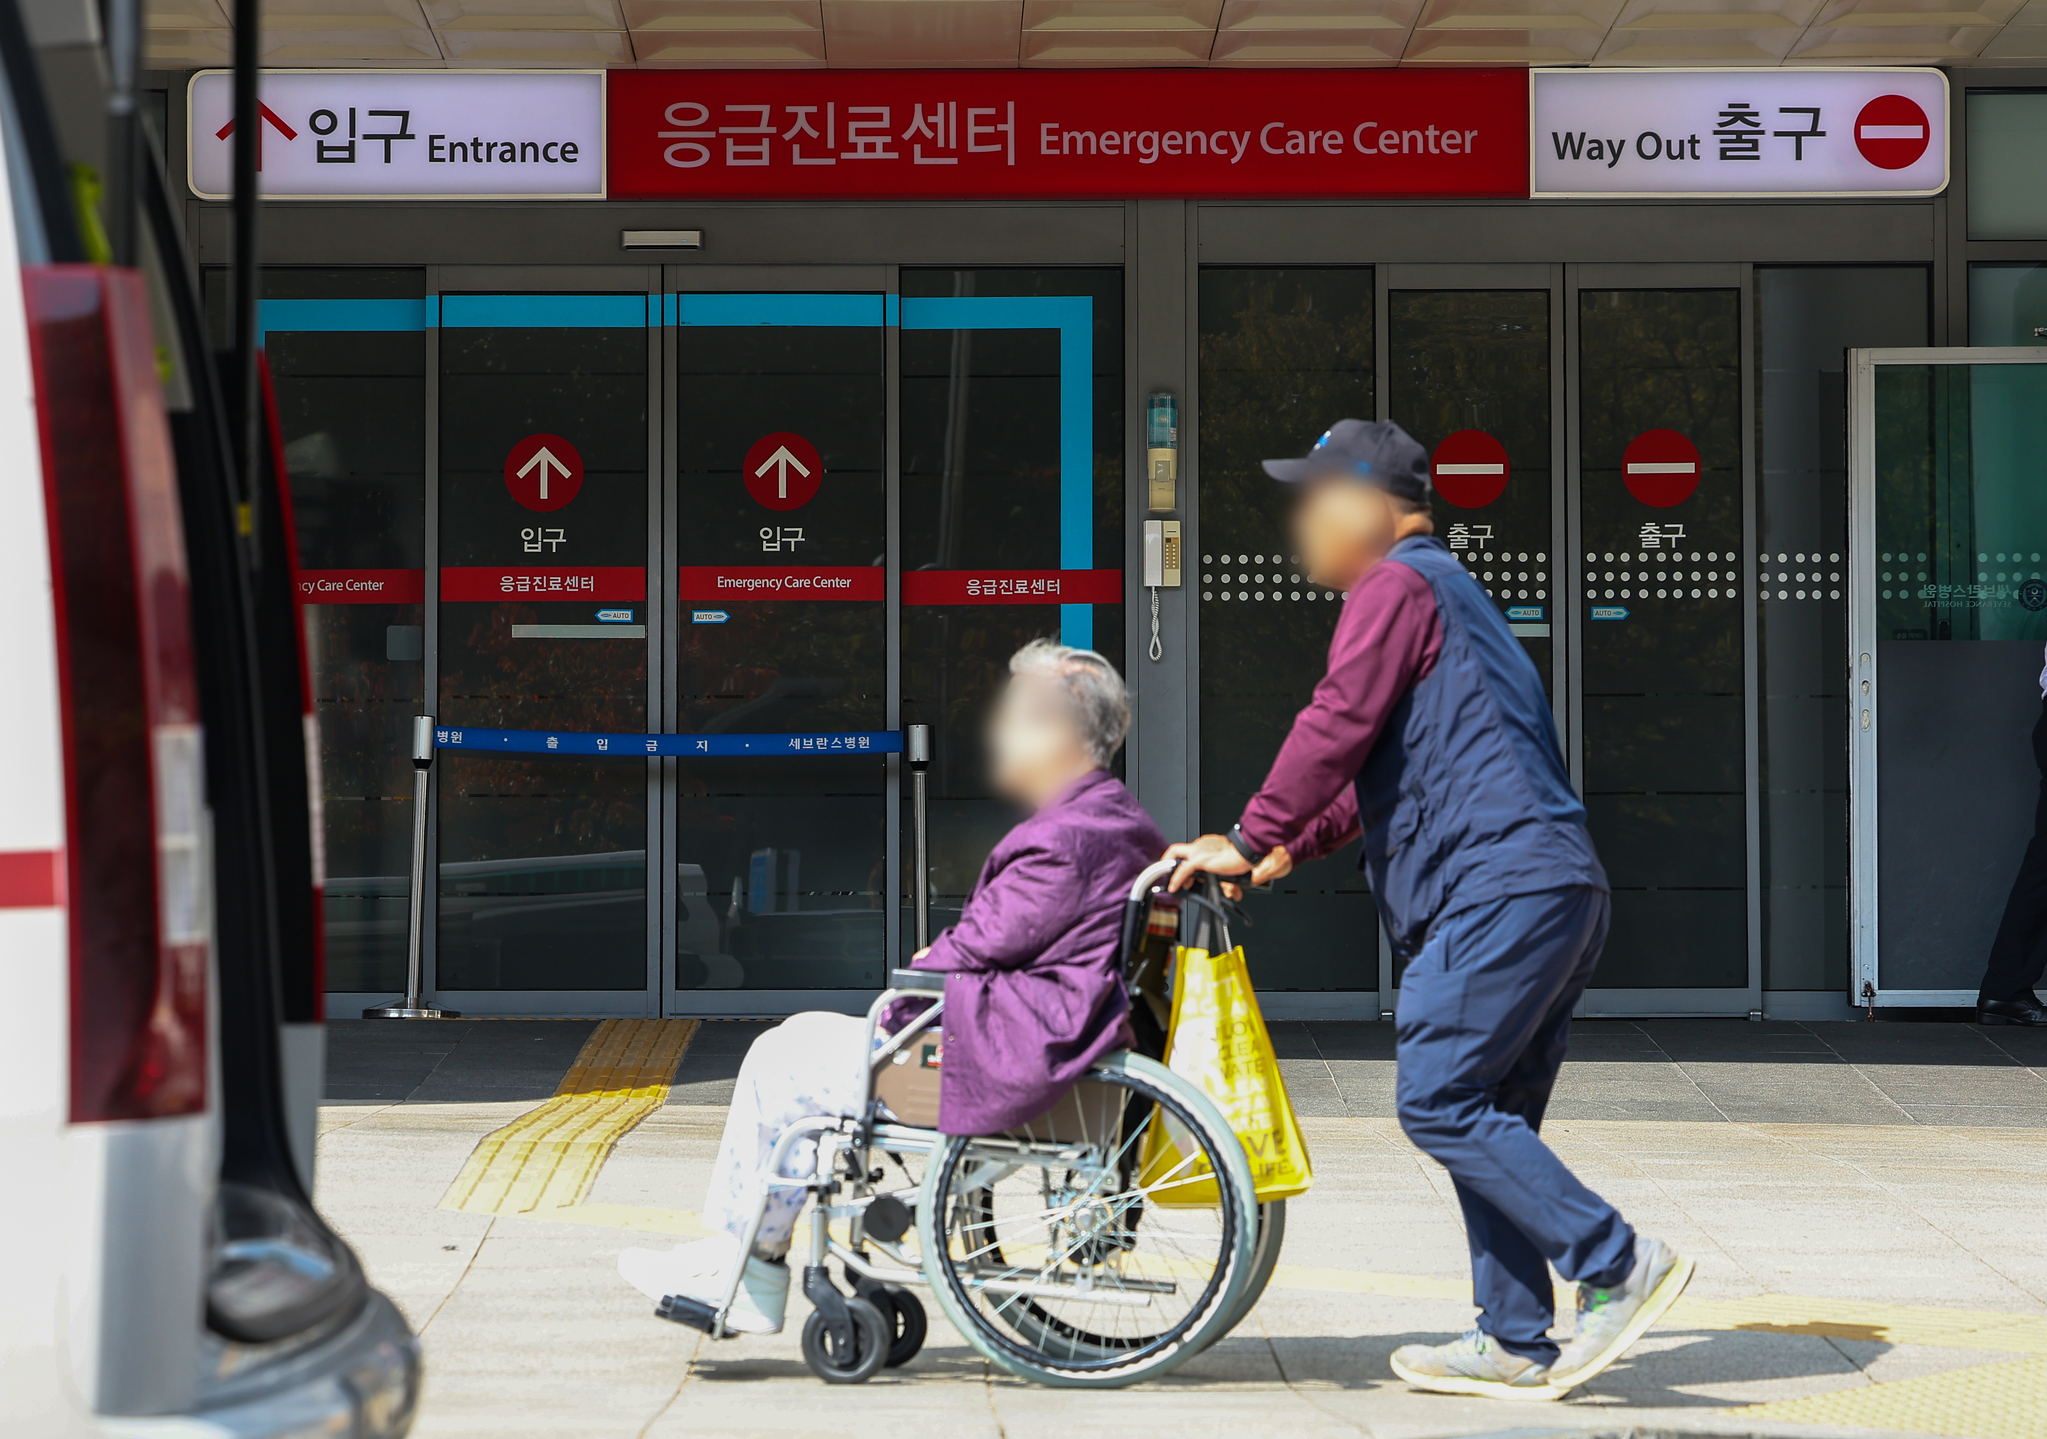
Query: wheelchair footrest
681, 1309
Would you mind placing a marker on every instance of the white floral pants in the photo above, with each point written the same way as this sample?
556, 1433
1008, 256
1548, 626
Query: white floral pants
808, 1064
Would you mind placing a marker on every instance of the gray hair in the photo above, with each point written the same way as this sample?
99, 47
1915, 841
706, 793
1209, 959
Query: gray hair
1092, 689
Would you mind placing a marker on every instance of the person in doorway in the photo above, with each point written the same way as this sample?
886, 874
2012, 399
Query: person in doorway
2018, 955
1033, 995
1431, 735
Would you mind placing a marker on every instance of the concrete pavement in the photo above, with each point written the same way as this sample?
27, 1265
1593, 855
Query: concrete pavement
1864, 1202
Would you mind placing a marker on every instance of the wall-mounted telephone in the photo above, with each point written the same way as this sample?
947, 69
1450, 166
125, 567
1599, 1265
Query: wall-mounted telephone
1161, 570
1162, 554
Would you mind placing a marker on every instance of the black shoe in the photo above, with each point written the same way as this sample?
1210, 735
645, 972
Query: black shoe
2025, 1010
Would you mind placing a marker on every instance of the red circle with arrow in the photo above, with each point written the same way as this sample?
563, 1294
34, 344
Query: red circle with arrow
543, 472
782, 471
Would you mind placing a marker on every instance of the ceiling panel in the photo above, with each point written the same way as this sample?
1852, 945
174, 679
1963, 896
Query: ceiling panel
1892, 44
1308, 47
358, 15
733, 50
1120, 16
1719, 45
709, 17
933, 33
350, 47
2017, 42
501, 15
187, 49
1128, 47
1503, 47
539, 49
1319, 17
184, 15
1925, 14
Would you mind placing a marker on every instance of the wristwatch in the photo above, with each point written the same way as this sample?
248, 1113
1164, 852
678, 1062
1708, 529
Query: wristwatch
1244, 846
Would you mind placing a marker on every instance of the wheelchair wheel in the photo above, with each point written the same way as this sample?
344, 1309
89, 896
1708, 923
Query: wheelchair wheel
1051, 1250
836, 1364
1264, 1259
909, 1324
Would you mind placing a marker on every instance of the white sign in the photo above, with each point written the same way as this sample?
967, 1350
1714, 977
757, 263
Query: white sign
1738, 132
413, 134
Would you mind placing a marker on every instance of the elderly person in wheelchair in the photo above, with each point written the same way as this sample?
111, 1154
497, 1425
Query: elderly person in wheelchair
1054, 1157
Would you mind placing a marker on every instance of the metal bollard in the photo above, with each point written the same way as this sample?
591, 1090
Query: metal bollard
917, 750
414, 1006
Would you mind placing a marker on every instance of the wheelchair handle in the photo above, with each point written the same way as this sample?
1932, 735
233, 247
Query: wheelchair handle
917, 981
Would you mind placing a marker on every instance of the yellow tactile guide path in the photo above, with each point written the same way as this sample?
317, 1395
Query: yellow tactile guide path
549, 1157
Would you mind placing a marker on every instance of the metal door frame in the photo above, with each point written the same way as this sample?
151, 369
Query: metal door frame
1745, 1000
1865, 981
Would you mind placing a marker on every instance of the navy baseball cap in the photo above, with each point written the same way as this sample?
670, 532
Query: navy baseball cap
1378, 452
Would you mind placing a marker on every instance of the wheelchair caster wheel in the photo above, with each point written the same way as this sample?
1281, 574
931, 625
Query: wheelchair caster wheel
836, 1363
906, 1313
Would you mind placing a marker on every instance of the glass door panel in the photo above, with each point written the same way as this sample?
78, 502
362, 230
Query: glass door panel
347, 354
1469, 377
1663, 734
1284, 353
1012, 514
542, 625
782, 543
1949, 544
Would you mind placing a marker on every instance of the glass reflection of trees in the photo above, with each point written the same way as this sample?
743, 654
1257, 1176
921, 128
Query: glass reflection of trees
1479, 360
980, 490
1663, 740
1283, 355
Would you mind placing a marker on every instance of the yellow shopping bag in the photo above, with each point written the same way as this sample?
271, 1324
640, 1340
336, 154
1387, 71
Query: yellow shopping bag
1218, 1040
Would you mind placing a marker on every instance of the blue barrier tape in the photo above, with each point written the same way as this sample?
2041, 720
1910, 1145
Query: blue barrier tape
664, 746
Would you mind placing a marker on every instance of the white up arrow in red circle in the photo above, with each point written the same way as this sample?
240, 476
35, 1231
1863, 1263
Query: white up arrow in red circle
782, 470
543, 472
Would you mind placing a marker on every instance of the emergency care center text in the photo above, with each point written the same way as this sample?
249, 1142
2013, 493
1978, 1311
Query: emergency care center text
1046, 133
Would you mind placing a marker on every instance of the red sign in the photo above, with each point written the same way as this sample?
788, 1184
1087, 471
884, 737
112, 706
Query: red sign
538, 582
703, 134
1012, 587
783, 582
543, 472
782, 471
1891, 132
362, 587
1660, 468
1469, 469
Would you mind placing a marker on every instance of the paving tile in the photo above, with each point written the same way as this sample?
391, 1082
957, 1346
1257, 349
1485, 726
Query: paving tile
1312, 1088
1816, 1088
1351, 1039
711, 1065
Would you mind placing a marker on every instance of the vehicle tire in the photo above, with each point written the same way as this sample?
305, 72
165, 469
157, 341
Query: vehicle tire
871, 1334
1052, 1254
911, 1325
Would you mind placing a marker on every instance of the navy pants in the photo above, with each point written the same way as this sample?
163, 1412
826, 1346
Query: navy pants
1485, 1014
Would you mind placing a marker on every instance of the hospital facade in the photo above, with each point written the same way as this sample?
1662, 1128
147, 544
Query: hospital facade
675, 436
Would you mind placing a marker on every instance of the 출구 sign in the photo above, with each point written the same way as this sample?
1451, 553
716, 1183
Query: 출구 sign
431, 134
703, 134
1738, 132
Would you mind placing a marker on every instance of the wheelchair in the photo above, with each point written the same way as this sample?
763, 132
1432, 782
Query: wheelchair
1102, 1244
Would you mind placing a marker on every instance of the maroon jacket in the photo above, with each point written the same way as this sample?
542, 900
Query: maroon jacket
1386, 642
1033, 995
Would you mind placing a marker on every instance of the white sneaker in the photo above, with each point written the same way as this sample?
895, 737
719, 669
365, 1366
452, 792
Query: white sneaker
699, 1271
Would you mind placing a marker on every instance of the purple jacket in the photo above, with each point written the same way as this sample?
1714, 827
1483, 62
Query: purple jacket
1033, 995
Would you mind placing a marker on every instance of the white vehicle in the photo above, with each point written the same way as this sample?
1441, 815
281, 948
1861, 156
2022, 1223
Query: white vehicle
166, 1272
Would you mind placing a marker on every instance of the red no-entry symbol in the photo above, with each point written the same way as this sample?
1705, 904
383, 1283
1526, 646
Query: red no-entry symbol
1891, 132
1660, 468
543, 472
782, 470
1469, 469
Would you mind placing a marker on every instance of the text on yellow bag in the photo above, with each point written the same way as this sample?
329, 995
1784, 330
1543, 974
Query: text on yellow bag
1218, 1040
